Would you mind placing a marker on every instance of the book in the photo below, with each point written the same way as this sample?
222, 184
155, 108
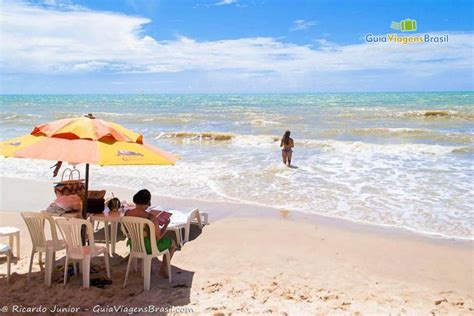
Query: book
162, 216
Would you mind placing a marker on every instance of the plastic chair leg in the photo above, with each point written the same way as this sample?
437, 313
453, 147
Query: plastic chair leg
86, 270
17, 237
9, 263
76, 268
107, 235
146, 272
107, 264
204, 219
66, 266
31, 264
179, 240
168, 263
113, 238
129, 264
10, 242
49, 267
95, 224
135, 264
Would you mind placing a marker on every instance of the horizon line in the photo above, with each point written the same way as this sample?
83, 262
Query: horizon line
234, 93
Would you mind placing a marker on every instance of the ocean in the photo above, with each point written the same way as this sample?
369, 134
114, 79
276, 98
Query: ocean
396, 159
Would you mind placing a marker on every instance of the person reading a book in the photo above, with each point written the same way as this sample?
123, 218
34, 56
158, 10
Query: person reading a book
142, 200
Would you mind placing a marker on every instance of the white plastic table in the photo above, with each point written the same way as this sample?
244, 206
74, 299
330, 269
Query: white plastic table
12, 232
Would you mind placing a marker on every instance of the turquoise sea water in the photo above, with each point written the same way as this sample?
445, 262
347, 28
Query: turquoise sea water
399, 159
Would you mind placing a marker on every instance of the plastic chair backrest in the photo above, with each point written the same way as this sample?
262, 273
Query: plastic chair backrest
135, 227
194, 214
71, 231
35, 223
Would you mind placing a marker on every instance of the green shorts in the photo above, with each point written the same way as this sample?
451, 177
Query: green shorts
162, 244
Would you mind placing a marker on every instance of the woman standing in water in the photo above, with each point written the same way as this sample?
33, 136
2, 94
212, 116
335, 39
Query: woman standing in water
286, 145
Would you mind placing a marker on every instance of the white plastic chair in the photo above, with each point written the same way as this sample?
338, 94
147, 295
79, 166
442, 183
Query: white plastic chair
5, 249
135, 227
35, 223
192, 217
182, 222
71, 231
204, 218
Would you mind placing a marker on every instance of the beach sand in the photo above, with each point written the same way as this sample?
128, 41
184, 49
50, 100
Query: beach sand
263, 260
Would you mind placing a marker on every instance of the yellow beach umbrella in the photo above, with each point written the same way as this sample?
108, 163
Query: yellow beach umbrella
86, 140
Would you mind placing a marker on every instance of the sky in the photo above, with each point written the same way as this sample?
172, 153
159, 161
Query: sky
231, 46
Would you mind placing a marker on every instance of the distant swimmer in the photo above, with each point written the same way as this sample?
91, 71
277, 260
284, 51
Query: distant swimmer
286, 145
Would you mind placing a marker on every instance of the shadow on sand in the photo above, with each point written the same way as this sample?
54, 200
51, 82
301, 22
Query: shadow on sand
34, 293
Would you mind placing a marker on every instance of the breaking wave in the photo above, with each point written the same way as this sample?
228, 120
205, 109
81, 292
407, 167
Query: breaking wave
370, 113
197, 136
403, 133
327, 145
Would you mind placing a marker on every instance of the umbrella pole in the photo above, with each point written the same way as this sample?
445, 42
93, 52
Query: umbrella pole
84, 205
86, 195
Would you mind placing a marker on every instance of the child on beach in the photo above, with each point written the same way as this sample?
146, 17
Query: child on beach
142, 200
286, 145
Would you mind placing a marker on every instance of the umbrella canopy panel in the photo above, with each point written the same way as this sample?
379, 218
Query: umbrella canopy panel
86, 140
87, 127
85, 151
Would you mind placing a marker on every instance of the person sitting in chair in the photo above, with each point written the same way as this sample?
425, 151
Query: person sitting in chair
142, 200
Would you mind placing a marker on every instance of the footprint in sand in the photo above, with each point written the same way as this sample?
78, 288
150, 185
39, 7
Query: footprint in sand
288, 296
234, 291
212, 288
329, 297
304, 297
441, 301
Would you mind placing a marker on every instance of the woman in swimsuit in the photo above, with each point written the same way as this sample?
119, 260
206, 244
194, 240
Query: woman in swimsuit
286, 145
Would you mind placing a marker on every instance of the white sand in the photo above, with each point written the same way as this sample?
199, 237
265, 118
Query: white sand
292, 265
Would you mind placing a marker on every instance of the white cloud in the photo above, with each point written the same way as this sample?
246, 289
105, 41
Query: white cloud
48, 41
225, 2
62, 4
299, 25
52, 3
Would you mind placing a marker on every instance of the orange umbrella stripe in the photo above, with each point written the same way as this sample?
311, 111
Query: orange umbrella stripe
85, 151
87, 128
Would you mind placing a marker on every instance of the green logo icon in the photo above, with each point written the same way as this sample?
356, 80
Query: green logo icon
407, 25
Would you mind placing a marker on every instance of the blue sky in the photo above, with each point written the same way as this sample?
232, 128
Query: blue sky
231, 46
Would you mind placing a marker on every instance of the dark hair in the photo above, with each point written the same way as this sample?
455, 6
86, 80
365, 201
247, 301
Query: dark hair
142, 197
114, 204
286, 138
